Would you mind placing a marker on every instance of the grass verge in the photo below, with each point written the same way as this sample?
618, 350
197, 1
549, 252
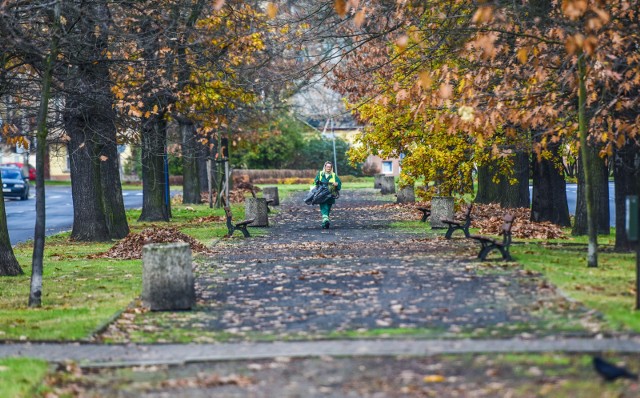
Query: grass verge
79, 293
21, 377
609, 289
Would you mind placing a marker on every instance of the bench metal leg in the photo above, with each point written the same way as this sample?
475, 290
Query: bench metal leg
505, 253
244, 231
450, 232
484, 252
424, 217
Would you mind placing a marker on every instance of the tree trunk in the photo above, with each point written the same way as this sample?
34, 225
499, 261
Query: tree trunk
504, 193
601, 193
516, 195
89, 121
114, 211
549, 199
580, 225
589, 175
89, 222
190, 177
154, 133
37, 259
8, 264
203, 154
626, 173
488, 190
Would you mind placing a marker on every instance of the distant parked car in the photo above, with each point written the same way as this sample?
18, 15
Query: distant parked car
32, 170
13, 185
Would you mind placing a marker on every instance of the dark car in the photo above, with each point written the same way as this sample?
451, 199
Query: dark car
32, 170
13, 185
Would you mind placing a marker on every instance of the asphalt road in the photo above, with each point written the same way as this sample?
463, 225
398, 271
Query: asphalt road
21, 215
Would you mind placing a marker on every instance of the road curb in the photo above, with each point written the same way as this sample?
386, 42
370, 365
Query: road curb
102, 355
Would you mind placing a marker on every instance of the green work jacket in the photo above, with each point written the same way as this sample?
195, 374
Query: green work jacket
329, 179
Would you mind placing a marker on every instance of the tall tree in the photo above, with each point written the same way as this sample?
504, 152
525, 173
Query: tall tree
626, 172
549, 196
37, 262
9, 266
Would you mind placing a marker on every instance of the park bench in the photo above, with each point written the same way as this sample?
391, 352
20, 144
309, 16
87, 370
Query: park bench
488, 244
426, 212
242, 225
455, 225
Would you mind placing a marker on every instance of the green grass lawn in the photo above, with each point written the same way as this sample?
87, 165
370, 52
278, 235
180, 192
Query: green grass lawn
21, 377
609, 288
81, 294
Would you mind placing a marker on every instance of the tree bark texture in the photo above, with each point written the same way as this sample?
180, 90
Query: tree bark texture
37, 259
113, 201
202, 154
549, 198
600, 192
626, 174
190, 176
89, 222
502, 192
9, 266
580, 225
487, 188
516, 195
588, 165
154, 133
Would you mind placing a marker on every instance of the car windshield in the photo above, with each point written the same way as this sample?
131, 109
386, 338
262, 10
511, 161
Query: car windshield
11, 174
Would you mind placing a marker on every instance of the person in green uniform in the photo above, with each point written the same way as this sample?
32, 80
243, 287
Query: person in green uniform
328, 177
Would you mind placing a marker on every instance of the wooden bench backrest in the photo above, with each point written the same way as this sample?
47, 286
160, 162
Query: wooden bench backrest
508, 223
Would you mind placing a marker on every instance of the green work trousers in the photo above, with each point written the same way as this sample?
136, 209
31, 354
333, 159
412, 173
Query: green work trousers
325, 209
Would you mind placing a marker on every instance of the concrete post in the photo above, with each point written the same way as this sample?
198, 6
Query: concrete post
387, 185
406, 195
167, 276
256, 209
271, 193
377, 181
441, 207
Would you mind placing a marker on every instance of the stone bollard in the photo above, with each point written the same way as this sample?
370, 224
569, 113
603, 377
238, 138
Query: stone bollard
388, 185
377, 181
271, 193
406, 195
256, 209
167, 277
441, 207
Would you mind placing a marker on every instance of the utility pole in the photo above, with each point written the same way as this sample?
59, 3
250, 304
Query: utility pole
335, 159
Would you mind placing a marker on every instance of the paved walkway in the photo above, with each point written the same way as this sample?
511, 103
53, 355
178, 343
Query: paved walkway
360, 279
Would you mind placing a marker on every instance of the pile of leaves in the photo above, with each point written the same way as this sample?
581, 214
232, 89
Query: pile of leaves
130, 247
237, 195
489, 218
208, 219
